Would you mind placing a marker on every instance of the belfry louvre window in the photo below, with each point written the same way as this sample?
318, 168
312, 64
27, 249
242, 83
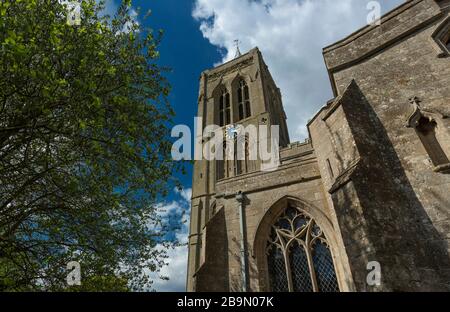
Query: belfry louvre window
224, 108
243, 97
298, 255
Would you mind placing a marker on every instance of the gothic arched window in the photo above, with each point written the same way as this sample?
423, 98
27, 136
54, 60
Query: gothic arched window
426, 130
224, 108
243, 97
246, 154
298, 256
241, 154
442, 37
432, 130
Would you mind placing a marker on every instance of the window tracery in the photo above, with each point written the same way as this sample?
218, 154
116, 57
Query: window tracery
298, 255
243, 97
442, 38
224, 108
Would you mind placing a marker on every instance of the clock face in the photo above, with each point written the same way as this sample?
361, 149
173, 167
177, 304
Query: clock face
231, 131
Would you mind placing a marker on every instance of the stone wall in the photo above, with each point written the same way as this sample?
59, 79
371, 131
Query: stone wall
398, 191
257, 205
364, 176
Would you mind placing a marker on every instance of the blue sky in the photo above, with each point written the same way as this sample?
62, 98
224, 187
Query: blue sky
290, 34
185, 50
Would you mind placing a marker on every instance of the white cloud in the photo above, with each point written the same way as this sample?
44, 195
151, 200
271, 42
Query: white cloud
291, 35
177, 258
185, 193
177, 205
110, 7
165, 209
134, 20
175, 269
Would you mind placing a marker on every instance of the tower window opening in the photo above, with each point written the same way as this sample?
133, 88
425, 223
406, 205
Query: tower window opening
221, 112
237, 157
243, 97
241, 111
222, 164
224, 108
247, 155
241, 154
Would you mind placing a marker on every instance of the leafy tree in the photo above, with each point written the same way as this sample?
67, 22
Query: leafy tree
84, 148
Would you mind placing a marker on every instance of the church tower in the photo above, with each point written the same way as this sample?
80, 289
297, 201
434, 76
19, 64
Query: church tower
239, 92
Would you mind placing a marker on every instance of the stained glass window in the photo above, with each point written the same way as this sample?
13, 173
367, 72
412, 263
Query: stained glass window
277, 270
299, 258
323, 266
301, 279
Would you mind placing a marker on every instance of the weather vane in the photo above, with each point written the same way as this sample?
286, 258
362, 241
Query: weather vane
238, 52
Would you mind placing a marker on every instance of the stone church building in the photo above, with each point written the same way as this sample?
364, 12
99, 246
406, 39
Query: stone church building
371, 184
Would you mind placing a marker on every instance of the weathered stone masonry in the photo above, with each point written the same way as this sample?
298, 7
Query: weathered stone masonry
374, 174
